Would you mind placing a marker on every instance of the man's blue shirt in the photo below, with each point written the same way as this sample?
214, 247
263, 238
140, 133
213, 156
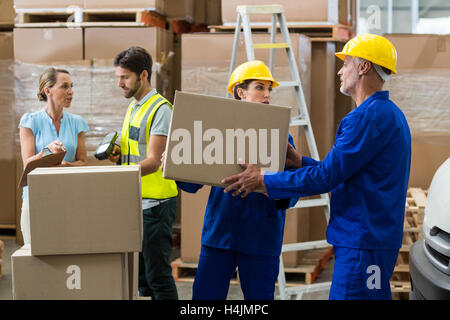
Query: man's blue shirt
367, 171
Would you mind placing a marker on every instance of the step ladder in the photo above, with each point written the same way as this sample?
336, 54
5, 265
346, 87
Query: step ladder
301, 120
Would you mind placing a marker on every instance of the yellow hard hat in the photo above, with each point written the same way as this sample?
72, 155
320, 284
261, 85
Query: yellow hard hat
372, 47
250, 70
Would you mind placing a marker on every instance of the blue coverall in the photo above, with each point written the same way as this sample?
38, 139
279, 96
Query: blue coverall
239, 232
367, 171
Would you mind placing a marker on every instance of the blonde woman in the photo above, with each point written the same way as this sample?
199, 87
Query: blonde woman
51, 130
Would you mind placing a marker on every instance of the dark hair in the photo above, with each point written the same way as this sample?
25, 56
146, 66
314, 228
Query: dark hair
47, 80
243, 85
135, 59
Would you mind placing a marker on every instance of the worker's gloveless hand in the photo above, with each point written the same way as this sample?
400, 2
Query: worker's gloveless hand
115, 154
293, 158
245, 182
56, 146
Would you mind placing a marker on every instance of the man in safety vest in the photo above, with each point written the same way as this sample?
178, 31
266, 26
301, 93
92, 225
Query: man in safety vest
142, 142
367, 171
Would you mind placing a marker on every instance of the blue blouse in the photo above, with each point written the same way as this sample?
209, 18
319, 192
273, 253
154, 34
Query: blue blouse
44, 132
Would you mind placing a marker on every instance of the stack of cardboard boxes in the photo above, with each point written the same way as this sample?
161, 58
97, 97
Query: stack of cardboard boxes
86, 231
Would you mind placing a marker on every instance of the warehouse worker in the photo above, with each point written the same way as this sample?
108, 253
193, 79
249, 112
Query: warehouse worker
367, 171
243, 233
51, 130
142, 142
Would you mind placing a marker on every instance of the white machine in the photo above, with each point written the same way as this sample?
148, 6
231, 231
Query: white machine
429, 259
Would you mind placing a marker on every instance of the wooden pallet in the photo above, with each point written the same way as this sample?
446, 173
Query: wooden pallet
77, 17
8, 231
317, 31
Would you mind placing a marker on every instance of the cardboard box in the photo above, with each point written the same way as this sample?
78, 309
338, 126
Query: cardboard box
7, 14
33, 45
47, 4
69, 277
119, 4
206, 63
235, 131
420, 89
180, 9
106, 43
325, 11
6, 46
85, 210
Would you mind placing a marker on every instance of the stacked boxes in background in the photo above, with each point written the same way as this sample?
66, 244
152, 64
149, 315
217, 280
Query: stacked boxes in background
86, 230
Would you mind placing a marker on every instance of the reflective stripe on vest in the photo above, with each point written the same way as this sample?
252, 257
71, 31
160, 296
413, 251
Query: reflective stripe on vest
134, 142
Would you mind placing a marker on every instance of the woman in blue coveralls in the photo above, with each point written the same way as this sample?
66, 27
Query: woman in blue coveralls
51, 130
246, 233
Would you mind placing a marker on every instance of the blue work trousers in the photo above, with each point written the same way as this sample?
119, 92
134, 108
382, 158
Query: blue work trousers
362, 274
216, 267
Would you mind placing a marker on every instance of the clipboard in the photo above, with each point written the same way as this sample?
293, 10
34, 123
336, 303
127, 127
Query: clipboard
48, 161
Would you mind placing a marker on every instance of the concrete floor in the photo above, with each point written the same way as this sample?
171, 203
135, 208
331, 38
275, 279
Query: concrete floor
184, 288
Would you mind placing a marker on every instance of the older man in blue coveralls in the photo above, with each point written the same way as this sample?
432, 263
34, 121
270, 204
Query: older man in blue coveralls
367, 171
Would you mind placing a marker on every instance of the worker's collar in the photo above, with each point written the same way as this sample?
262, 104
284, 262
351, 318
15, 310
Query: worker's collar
139, 103
380, 95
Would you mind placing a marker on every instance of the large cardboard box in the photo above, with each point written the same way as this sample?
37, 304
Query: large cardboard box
7, 13
180, 9
105, 43
35, 45
208, 136
69, 277
421, 89
119, 4
6, 46
47, 4
85, 210
206, 70
325, 11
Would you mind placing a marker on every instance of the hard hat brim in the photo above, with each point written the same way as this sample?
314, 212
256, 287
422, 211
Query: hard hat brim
274, 84
342, 55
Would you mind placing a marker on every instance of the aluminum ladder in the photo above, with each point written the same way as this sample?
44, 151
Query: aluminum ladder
301, 120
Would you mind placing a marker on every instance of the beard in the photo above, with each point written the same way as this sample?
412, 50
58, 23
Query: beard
132, 91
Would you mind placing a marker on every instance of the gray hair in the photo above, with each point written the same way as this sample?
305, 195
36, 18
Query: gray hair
383, 72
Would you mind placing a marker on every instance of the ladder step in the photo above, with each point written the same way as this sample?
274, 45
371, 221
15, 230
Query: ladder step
302, 123
311, 202
320, 244
279, 45
289, 84
260, 9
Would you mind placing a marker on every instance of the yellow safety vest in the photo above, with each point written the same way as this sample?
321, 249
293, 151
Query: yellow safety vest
134, 141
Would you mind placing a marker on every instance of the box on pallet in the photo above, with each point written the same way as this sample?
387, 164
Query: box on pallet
7, 13
421, 89
85, 210
180, 9
47, 4
120, 4
70, 277
34, 45
324, 11
106, 43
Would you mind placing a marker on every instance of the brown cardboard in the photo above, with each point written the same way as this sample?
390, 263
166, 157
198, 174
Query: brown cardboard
180, 9
7, 192
119, 4
7, 13
47, 45
210, 162
69, 277
85, 210
106, 43
6, 46
133, 274
47, 4
193, 206
213, 12
206, 70
425, 58
332, 11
